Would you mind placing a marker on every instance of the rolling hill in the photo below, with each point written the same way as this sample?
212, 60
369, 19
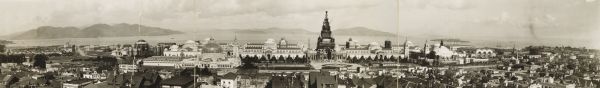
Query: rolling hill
361, 31
94, 31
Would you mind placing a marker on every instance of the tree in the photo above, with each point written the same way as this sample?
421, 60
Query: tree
40, 60
263, 59
362, 58
247, 67
298, 60
255, 59
353, 59
269, 84
205, 71
247, 64
281, 59
272, 60
329, 53
533, 50
432, 55
385, 58
186, 72
392, 58
289, 59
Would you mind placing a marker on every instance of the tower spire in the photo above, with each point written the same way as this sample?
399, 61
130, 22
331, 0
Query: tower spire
326, 23
406, 48
441, 43
235, 37
325, 14
405, 42
425, 47
308, 43
325, 42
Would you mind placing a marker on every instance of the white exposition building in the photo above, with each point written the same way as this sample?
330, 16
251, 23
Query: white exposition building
374, 51
209, 54
457, 54
213, 56
271, 50
189, 48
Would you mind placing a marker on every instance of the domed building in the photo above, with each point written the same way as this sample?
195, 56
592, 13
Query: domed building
213, 56
212, 48
189, 49
191, 46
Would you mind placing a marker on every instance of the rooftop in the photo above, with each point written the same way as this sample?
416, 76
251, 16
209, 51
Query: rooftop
79, 81
178, 80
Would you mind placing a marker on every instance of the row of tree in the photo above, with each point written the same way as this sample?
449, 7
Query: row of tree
281, 59
16, 58
39, 60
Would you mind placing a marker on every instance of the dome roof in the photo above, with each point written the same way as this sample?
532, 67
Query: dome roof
190, 41
270, 41
282, 42
212, 48
174, 47
141, 42
211, 57
374, 44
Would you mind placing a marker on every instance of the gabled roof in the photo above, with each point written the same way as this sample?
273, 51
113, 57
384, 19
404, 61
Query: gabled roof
321, 78
79, 81
140, 79
363, 82
229, 76
101, 85
286, 81
178, 81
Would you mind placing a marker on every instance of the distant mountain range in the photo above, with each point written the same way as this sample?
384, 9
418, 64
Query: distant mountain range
124, 30
262, 31
355, 31
94, 31
361, 31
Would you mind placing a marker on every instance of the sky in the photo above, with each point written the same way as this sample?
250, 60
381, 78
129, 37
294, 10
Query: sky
22, 15
572, 19
555, 20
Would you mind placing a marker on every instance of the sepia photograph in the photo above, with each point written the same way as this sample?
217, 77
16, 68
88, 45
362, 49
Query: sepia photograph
299, 44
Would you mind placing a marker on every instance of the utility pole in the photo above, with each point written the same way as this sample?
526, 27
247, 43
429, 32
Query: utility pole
195, 76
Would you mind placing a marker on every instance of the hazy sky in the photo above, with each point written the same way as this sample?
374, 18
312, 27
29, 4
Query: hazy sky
487, 19
569, 19
21, 15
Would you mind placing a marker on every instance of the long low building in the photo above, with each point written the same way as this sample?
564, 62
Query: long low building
193, 62
213, 56
163, 60
270, 50
211, 60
